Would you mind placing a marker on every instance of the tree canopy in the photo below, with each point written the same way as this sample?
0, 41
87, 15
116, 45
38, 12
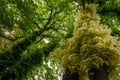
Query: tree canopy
31, 29
91, 46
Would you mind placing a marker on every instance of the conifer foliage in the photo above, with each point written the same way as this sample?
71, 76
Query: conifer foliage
91, 48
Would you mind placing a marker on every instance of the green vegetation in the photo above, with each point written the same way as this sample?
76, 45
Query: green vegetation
91, 46
32, 29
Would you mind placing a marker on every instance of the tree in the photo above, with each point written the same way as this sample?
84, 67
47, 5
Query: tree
37, 21
25, 25
92, 53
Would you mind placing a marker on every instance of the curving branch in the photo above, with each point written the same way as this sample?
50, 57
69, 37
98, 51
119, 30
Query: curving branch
37, 25
49, 20
10, 38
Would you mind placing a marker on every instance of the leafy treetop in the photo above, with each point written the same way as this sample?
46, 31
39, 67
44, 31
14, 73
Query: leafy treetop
91, 46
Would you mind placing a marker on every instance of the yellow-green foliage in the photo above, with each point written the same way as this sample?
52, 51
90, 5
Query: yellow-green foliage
91, 46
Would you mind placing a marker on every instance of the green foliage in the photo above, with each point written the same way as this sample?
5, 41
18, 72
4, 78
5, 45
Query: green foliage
37, 20
15, 12
91, 46
46, 71
29, 22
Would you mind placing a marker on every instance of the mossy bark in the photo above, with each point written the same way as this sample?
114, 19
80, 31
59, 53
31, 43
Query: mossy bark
90, 48
98, 74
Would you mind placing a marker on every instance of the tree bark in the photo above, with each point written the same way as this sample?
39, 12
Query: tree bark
70, 76
98, 74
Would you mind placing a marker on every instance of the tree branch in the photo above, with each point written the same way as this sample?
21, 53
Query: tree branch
10, 38
83, 2
49, 19
56, 13
45, 35
37, 25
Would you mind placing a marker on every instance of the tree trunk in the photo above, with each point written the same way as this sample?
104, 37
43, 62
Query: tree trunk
98, 74
70, 76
